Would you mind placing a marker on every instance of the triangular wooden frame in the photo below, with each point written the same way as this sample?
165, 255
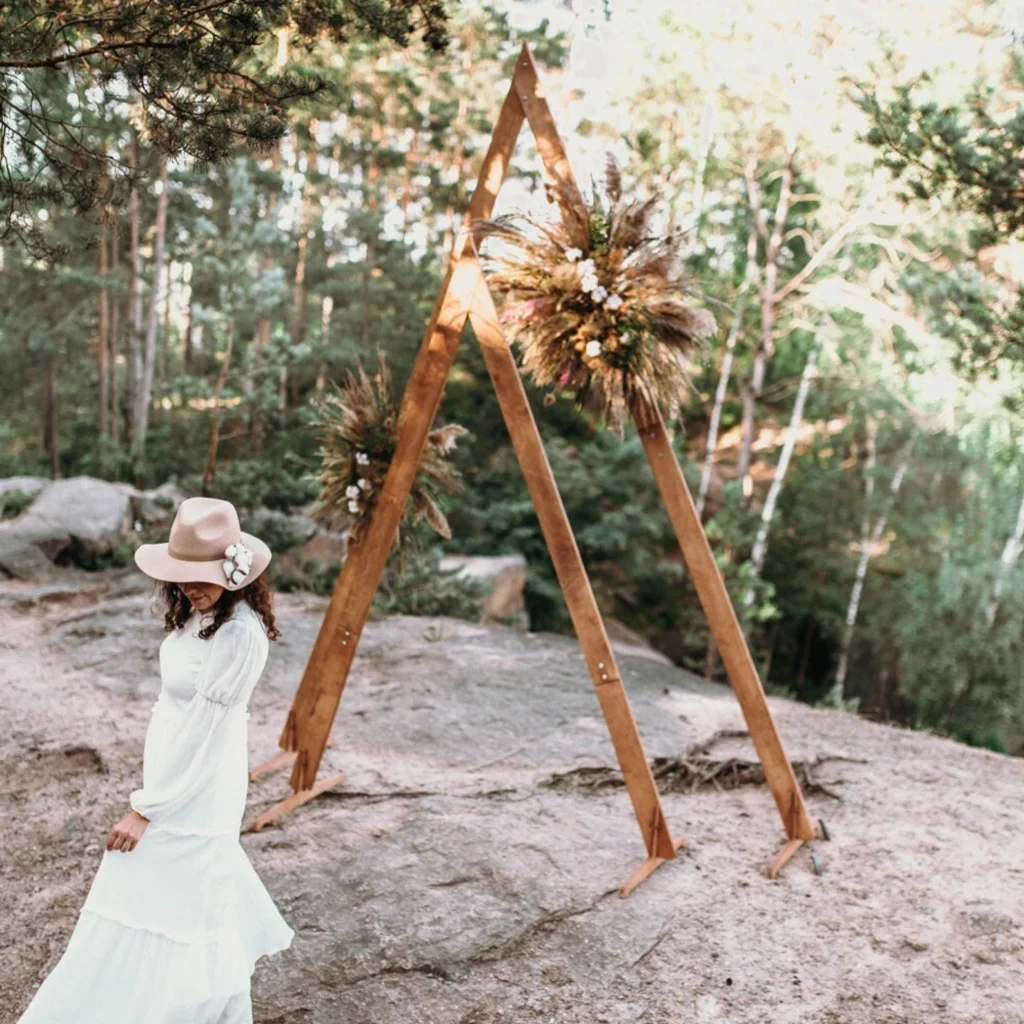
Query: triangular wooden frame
464, 296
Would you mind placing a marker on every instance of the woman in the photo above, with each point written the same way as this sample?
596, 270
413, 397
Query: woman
176, 917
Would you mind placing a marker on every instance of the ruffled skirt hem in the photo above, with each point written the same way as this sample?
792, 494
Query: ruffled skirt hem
170, 933
113, 971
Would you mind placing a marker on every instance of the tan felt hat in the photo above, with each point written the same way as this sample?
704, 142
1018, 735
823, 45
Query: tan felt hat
205, 545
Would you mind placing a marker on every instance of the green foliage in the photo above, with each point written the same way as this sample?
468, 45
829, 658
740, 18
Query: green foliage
416, 585
198, 77
13, 503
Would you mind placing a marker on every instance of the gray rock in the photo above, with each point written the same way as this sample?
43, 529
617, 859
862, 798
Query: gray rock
505, 576
301, 527
23, 560
95, 513
158, 506
26, 484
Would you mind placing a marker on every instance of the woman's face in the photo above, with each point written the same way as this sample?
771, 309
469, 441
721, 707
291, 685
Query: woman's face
202, 596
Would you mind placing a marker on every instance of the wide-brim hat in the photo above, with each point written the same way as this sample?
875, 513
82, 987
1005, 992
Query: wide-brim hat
206, 545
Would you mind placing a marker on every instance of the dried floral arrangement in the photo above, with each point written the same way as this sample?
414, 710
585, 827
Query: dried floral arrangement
358, 424
596, 303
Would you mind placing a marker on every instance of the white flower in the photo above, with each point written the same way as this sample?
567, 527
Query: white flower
599, 294
614, 301
364, 484
353, 506
587, 268
593, 349
572, 255
351, 491
237, 563
362, 458
589, 283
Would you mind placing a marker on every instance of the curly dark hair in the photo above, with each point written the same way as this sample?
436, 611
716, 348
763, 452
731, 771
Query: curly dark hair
178, 608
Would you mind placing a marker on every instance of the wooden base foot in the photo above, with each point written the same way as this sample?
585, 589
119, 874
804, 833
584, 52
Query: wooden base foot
295, 800
646, 869
783, 857
278, 761
286, 757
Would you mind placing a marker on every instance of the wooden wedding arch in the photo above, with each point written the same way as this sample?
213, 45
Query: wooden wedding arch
464, 296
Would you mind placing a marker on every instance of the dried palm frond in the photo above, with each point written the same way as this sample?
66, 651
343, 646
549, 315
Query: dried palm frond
358, 423
596, 303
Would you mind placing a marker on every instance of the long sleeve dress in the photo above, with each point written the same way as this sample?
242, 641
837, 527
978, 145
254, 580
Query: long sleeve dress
170, 932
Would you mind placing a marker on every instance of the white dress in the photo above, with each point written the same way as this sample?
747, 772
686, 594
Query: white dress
170, 932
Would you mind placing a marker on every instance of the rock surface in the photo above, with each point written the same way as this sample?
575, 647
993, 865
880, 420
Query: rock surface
93, 513
466, 872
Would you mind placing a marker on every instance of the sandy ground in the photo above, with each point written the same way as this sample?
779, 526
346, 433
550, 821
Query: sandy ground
467, 871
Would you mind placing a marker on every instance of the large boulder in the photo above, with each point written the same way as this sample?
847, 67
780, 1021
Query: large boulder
94, 514
158, 506
22, 559
30, 485
505, 577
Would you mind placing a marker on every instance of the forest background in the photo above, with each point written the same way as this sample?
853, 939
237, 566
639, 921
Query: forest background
201, 234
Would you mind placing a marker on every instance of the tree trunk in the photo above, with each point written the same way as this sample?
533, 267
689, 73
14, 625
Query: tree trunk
149, 368
738, 309
51, 417
760, 549
103, 354
326, 308
134, 376
766, 345
838, 694
211, 453
1010, 557
115, 324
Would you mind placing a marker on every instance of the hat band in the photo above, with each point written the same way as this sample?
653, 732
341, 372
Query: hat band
200, 558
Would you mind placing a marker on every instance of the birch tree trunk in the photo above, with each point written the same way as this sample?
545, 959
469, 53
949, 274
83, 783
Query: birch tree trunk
738, 310
766, 345
838, 693
142, 406
760, 549
1010, 557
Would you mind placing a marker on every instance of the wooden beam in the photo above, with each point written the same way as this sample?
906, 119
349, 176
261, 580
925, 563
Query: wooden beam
721, 615
565, 554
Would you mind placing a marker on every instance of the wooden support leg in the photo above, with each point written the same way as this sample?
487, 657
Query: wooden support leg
316, 701
572, 575
725, 627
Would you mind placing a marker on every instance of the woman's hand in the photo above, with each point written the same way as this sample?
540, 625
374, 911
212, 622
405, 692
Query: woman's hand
126, 834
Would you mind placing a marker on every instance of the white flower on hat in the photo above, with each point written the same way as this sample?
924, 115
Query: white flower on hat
362, 458
352, 491
593, 349
599, 294
237, 563
614, 301
587, 268
364, 484
572, 255
353, 506
589, 283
